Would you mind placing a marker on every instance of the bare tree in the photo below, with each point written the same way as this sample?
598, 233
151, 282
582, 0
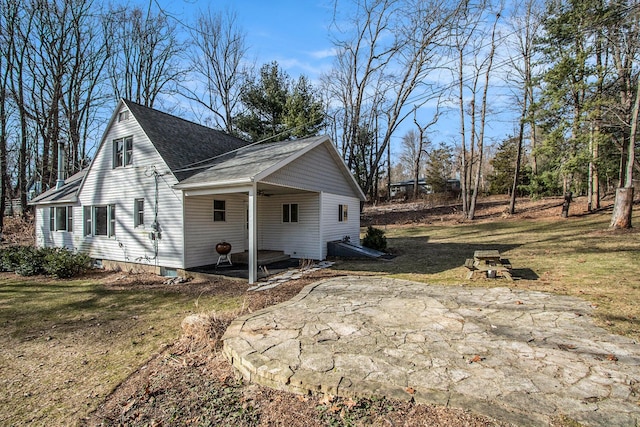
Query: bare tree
144, 54
83, 80
524, 23
469, 31
411, 156
21, 24
7, 22
218, 59
49, 57
384, 59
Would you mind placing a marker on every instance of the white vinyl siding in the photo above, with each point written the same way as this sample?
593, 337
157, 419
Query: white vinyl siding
297, 239
202, 233
315, 171
332, 228
105, 185
45, 237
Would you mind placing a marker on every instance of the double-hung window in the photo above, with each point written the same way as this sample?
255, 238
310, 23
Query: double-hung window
343, 213
122, 152
290, 212
61, 218
138, 213
100, 220
219, 211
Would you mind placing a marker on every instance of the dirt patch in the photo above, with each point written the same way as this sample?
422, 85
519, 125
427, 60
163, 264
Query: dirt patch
487, 209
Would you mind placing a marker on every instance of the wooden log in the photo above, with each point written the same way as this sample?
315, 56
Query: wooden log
622, 208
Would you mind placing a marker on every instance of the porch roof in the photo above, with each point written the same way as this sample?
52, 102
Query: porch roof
251, 163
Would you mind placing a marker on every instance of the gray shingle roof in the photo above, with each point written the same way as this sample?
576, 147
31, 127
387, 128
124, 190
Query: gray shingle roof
247, 162
66, 194
182, 143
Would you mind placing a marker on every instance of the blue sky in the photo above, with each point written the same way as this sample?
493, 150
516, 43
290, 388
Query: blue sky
295, 33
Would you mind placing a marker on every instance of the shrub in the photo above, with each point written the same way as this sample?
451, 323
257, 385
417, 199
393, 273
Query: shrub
57, 262
63, 263
375, 239
30, 261
9, 258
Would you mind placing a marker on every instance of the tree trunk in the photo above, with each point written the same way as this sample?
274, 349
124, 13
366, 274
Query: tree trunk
622, 208
567, 202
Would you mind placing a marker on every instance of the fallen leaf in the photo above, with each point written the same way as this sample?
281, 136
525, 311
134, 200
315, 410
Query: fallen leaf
335, 409
410, 390
302, 398
519, 303
326, 399
350, 403
476, 359
612, 357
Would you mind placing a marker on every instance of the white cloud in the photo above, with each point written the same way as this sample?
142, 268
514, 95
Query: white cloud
324, 54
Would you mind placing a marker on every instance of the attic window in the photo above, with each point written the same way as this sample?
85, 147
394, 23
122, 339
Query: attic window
122, 152
123, 115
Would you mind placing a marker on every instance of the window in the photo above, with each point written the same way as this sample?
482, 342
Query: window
88, 230
100, 220
219, 210
138, 212
122, 152
61, 218
123, 115
342, 213
290, 212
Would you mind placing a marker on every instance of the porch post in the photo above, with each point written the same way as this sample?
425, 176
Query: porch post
253, 235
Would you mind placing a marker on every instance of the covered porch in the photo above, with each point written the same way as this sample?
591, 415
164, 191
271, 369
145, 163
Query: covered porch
264, 223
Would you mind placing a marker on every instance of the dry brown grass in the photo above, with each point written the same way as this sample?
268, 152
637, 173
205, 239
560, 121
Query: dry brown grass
113, 342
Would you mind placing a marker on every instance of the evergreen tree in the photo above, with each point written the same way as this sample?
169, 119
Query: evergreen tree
439, 168
504, 165
278, 108
568, 48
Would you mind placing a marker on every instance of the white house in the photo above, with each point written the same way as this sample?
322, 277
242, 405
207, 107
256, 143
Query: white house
162, 192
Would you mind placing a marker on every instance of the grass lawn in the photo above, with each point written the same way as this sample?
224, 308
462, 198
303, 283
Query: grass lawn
67, 344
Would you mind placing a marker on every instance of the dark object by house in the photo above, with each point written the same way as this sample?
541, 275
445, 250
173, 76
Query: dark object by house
345, 249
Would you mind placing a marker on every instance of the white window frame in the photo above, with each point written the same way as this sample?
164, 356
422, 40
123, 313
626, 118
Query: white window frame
90, 220
288, 212
64, 222
123, 116
220, 211
343, 213
124, 159
138, 212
